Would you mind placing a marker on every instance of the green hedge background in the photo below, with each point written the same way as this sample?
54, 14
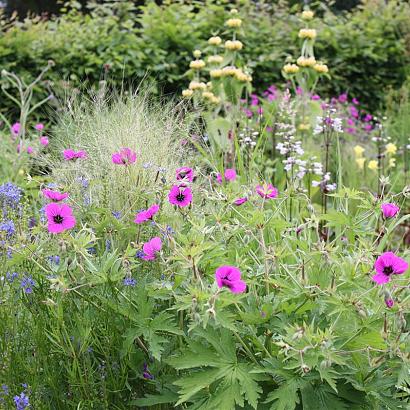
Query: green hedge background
366, 48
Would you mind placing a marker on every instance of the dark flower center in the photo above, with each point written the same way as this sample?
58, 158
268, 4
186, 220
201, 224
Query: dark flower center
226, 282
58, 219
388, 270
180, 197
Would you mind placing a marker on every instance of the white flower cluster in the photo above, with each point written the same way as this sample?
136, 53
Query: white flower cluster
247, 137
290, 146
327, 123
325, 184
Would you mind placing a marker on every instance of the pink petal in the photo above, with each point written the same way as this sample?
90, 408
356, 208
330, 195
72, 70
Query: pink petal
381, 279
238, 286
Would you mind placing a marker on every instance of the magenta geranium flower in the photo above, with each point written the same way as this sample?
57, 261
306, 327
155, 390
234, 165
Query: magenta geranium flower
60, 217
185, 173
15, 128
267, 191
39, 126
390, 210
125, 156
44, 141
70, 154
230, 277
147, 214
386, 265
54, 195
151, 248
180, 196
240, 201
229, 175
30, 150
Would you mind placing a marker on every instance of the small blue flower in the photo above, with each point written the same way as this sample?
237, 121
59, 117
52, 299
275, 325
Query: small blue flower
54, 259
140, 254
129, 282
83, 181
4, 390
87, 200
107, 245
27, 284
91, 250
10, 194
11, 276
21, 402
9, 228
116, 214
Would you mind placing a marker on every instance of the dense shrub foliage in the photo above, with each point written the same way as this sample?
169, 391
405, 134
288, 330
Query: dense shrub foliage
367, 47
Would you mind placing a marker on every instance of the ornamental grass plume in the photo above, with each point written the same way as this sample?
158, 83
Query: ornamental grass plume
101, 125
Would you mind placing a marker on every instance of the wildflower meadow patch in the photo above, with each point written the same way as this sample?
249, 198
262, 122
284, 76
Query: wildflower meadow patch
228, 248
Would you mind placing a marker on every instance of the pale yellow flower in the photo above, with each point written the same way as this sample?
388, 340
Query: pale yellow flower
358, 151
233, 45
196, 85
234, 23
229, 71
290, 68
241, 76
215, 59
309, 33
306, 61
197, 53
215, 100
392, 162
391, 148
373, 165
304, 127
215, 41
307, 15
234, 11
216, 73
208, 94
197, 64
321, 68
360, 162
187, 93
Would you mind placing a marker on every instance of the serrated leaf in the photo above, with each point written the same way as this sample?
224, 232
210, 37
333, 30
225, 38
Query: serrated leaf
248, 382
195, 382
285, 397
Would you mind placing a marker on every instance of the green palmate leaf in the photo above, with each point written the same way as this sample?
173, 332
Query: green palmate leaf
372, 339
285, 397
196, 355
196, 381
330, 376
335, 218
321, 397
248, 382
152, 400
